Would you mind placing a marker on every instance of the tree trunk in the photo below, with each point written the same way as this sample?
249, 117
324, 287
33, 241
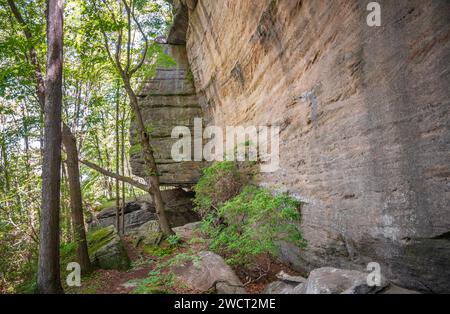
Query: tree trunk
76, 203
66, 219
117, 162
123, 167
48, 276
150, 163
5, 166
100, 160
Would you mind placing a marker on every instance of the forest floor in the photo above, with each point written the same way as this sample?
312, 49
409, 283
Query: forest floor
142, 264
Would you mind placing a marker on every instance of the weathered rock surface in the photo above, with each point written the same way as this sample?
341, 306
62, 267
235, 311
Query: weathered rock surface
208, 271
289, 278
188, 231
178, 204
393, 289
287, 284
106, 249
280, 287
363, 113
328, 280
168, 100
148, 233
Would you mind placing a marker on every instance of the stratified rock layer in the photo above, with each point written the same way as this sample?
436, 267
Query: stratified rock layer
364, 121
167, 100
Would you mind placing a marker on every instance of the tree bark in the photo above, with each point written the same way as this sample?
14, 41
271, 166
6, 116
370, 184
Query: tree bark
122, 138
5, 167
48, 276
149, 161
76, 203
117, 161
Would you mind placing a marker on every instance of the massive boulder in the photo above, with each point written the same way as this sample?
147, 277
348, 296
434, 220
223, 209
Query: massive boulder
148, 234
206, 272
106, 249
179, 210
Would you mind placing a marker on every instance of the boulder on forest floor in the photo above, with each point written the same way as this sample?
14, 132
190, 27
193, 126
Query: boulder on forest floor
149, 233
329, 280
208, 272
106, 249
325, 280
286, 284
179, 210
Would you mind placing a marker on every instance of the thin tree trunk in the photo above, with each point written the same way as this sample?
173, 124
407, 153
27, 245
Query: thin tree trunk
117, 162
100, 159
76, 203
5, 167
123, 167
48, 276
65, 209
149, 161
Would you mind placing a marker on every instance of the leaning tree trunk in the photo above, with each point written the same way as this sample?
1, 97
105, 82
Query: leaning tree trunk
76, 203
117, 163
48, 275
150, 163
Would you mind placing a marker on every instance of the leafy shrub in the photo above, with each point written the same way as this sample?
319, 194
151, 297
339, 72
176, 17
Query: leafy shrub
253, 223
173, 240
158, 251
155, 283
220, 182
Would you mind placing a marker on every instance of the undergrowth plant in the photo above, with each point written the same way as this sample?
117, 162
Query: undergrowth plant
247, 221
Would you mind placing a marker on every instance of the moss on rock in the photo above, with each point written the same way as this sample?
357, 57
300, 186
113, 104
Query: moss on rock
106, 249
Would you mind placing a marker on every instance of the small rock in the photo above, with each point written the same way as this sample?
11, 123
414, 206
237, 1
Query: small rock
130, 284
187, 231
279, 287
288, 278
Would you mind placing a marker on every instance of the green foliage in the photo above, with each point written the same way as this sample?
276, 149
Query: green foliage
135, 149
190, 76
91, 89
219, 182
158, 251
253, 223
173, 240
156, 283
98, 238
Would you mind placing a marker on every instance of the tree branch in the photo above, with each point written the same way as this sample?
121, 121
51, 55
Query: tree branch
40, 83
105, 172
144, 36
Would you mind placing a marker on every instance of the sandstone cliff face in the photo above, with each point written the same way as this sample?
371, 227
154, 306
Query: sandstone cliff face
364, 116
